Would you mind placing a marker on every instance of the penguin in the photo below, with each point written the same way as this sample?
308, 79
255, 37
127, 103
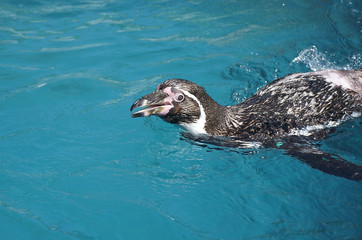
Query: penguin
302, 106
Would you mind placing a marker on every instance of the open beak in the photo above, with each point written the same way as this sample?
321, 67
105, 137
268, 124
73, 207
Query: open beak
156, 103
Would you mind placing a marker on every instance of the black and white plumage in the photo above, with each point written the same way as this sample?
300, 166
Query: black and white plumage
287, 106
300, 104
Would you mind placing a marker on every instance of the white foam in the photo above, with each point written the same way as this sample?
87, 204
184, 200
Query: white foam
245, 144
356, 114
314, 59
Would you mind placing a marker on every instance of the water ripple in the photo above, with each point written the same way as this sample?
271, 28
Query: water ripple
74, 48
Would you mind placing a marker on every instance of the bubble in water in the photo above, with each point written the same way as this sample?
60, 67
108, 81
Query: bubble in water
355, 61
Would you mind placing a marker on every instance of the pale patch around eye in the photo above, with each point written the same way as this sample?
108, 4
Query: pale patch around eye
179, 97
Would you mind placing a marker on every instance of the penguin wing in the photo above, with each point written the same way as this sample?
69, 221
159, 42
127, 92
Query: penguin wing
296, 147
326, 162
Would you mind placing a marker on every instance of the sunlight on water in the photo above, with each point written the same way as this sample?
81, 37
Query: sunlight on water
75, 165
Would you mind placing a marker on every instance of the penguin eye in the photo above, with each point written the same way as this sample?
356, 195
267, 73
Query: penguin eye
179, 97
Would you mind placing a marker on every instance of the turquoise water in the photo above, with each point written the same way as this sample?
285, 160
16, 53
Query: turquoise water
75, 165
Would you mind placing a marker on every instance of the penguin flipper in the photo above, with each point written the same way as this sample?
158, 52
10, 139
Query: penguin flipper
296, 147
326, 162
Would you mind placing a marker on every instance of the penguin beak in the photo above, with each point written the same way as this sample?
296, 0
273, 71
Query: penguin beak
156, 103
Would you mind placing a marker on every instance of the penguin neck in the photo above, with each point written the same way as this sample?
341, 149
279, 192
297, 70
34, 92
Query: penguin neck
214, 119
216, 116
224, 120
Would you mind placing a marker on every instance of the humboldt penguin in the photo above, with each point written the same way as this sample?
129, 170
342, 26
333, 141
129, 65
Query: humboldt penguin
297, 106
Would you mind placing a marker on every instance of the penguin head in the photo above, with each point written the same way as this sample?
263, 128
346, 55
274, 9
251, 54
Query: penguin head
175, 101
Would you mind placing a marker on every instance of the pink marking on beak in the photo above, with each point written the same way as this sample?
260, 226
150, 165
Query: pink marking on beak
165, 110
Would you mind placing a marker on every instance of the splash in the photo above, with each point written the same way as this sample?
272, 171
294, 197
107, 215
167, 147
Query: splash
355, 61
314, 59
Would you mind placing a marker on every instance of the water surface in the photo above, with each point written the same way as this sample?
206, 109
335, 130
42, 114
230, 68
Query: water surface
74, 165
